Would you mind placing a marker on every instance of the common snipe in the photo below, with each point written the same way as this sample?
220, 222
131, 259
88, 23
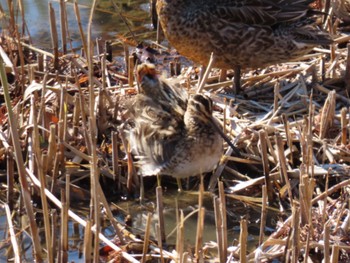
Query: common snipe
240, 33
172, 135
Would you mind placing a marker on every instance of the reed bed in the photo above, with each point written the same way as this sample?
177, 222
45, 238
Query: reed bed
61, 147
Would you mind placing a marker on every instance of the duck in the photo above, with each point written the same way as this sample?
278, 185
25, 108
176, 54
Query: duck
241, 33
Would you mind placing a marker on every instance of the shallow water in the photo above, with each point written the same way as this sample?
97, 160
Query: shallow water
107, 23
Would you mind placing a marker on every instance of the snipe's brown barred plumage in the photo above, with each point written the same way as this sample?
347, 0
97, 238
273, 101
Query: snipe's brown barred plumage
172, 135
241, 33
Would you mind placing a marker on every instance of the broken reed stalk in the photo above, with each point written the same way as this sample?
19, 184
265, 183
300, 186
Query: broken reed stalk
200, 221
20, 164
296, 232
344, 123
10, 177
94, 172
63, 19
204, 78
180, 237
39, 169
288, 136
88, 242
347, 70
328, 114
54, 234
160, 210
283, 165
81, 31
131, 66
265, 162
243, 241
335, 254
219, 229
223, 218
15, 247
160, 243
54, 35
326, 240
263, 214
146, 238
64, 228
115, 159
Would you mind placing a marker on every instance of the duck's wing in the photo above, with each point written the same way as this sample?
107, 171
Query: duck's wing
256, 12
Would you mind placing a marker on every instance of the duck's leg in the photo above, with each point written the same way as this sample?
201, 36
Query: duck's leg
237, 80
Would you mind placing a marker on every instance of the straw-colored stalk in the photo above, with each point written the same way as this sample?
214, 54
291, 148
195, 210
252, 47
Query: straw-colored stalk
160, 210
296, 233
263, 214
38, 158
146, 238
63, 19
54, 232
219, 229
81, 31
115, 159
10, 176
20, 164
88, 242
180, 237
15, 247
131, 66
347, 70
223, 212
64, 226
265, 161
204, 78
327, 114
200, 222
54, 36
283, 165
243, 237
344, 123
326, 240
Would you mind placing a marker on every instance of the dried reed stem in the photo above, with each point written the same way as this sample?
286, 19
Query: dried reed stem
10, 177
81, 31
20, 164
37, 153
327, 114
243, 241
263, 214
200, 222
206, 74
344, 123
88, 242
11, 229
160, 209
64, 227
265, 161
54, 35
146, 238
94, 172
223, 219
296, 233
63, 18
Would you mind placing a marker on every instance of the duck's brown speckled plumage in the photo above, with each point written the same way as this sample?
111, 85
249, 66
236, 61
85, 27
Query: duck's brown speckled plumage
246, 33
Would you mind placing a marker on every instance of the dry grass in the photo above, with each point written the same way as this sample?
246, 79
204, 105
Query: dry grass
59, 140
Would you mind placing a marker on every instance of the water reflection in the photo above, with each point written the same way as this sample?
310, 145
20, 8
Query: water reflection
107, 23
